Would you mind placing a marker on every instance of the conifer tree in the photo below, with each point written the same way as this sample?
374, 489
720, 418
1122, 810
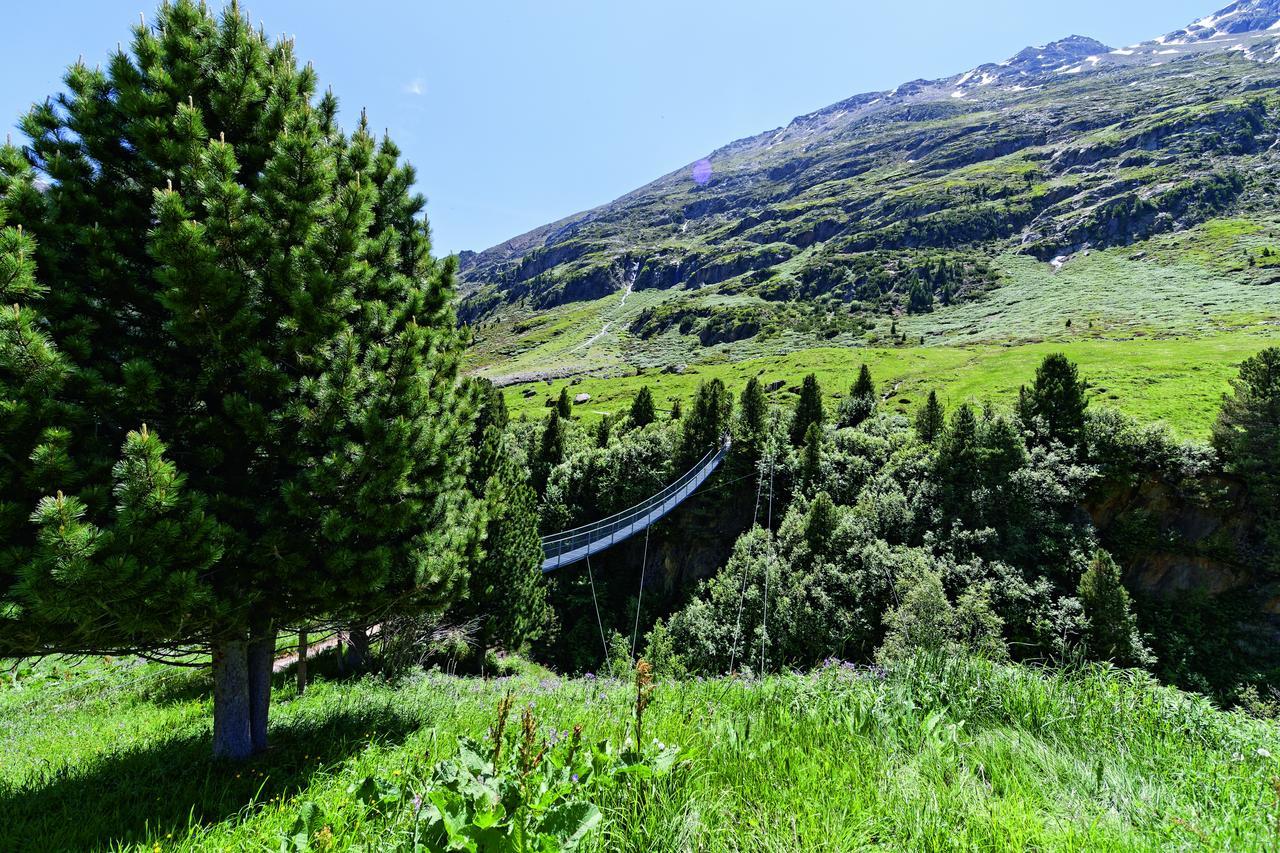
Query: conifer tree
919, 297
491, 406
488, 450
642, 411
1247, 438
958, 467
508, 592
810, 473
1024, 410
155, 539
861, 402
604, 428
863, 386
751, 413
930, 420
225, 265
706, 425
564, 406
1002, 449
820, 524
809, 410
1054, 407
551, 451
749, 429
1111, 628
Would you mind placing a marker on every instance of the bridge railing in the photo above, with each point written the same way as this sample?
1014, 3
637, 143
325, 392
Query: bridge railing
621, 526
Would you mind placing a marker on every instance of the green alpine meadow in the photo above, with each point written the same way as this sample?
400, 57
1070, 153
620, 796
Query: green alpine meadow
906, 476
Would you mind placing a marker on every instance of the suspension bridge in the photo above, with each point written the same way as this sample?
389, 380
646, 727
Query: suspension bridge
570, 546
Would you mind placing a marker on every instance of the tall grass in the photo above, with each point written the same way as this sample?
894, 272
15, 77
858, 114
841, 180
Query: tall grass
937, 754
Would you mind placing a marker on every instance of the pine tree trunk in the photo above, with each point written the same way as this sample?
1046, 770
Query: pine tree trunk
260, 656
302, 661
357, 656
231, 737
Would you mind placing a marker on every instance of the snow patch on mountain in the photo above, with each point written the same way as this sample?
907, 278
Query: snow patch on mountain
1243, 16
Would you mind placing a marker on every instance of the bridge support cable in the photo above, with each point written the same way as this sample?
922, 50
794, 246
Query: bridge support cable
768, 566
644, 563
596, 602
742, 595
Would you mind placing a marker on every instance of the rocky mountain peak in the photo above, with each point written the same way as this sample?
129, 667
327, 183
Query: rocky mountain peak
1243, 17
1054, 55
1074, 53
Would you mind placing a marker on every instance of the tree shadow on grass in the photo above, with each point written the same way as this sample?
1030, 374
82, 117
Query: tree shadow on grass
130, 796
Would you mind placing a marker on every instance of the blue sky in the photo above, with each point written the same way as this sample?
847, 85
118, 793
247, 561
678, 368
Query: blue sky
518, 113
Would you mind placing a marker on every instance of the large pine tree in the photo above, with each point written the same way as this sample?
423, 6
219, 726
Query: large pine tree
225, 265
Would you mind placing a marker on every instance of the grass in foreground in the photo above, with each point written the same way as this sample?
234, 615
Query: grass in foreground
939, 754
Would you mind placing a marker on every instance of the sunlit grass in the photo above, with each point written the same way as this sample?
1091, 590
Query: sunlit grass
935, 755
1179, 380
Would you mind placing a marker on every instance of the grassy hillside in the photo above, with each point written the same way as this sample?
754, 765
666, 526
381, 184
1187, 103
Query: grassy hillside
918, 198
1158, 327
1179, 381
933, 755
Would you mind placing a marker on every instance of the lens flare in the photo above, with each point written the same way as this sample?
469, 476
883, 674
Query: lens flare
701, 172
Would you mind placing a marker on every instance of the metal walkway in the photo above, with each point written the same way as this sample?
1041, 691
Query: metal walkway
562, 549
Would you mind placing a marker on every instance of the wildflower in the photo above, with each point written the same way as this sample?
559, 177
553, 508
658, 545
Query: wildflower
1263, 753
417, 802
395, 773
575, 778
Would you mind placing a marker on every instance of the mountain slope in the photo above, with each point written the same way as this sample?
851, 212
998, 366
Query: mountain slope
901, 202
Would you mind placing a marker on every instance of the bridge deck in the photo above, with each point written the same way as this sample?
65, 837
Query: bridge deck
562, 549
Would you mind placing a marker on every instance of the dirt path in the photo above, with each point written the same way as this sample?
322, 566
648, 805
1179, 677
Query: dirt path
280, 664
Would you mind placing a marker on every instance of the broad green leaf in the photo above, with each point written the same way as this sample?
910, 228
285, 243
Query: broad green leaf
570, 823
